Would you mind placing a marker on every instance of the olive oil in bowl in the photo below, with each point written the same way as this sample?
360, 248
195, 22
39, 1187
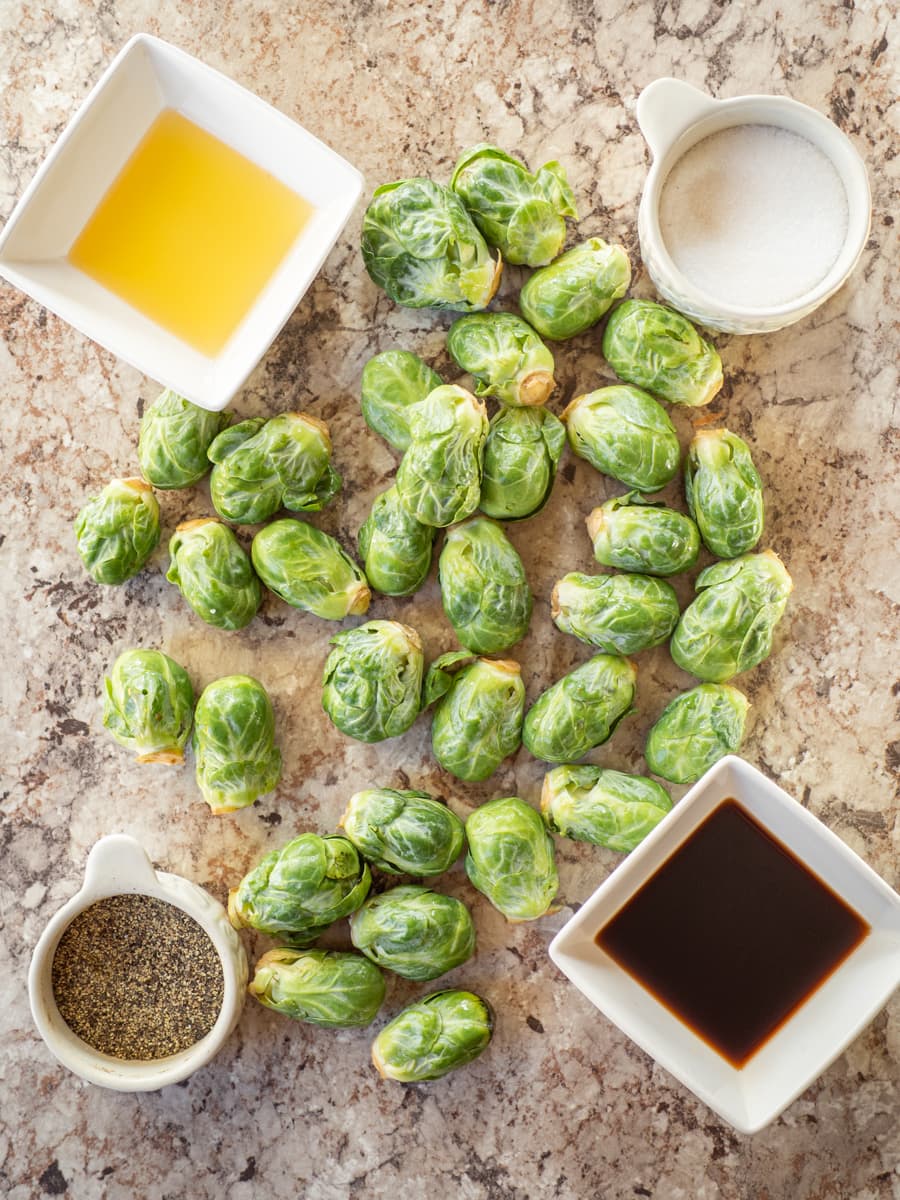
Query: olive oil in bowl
190, 232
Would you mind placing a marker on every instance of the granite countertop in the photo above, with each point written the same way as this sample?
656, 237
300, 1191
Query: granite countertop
562, 1105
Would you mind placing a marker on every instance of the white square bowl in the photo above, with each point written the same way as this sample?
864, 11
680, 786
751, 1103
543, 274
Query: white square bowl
824, 1025
147, 76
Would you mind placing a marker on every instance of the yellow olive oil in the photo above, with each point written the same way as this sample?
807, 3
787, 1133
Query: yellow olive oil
190, 232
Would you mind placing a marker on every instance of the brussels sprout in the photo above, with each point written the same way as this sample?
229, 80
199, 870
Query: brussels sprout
483, 587
728, 626
372, 684
608, 808
234, 743
619, 614
422, 247
214, 574
439, 478
333, 988
403, 833
511, 858
394, 547
175, 436
294, 893
633, 534
724, 492
624, 433
414, 932
308, 569
695, 730
506, 357
658, 349
573, 293
521, 455
581, 710
478, 721
148, 705
519, 213
434, 1035
262, 466
118, 530
391, 382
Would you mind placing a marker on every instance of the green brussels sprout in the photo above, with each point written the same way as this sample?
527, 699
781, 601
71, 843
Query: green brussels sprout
262, 466
659, 350
372, 686
175, 436
483, 587
439, 478
391, 382
414, 932
334, 988
519, 213
234, 743
728, 626
478, 720
624, 433
148, 705
213, 573
421, 246
572, 294
298, 891
724, 492
521, 455
436, 1034
308, 569
619, 614
695, 730
118, 530
608, 808
395, 547
511, 859
404, 833
634, 534
506, 357
581, 710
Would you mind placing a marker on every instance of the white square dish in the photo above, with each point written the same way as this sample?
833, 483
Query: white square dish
818, 1031
146, 77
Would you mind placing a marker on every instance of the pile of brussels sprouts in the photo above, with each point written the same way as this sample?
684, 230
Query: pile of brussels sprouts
295, 893
148, 707
428, 245
258, 467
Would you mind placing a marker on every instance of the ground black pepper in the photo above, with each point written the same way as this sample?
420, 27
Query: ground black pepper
137, 978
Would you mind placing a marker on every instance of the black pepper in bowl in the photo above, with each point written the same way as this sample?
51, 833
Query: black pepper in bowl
137, 978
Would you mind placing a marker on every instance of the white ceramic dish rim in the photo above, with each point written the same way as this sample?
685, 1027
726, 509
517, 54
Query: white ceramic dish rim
633, 873
117, 865
220, 395
746, 110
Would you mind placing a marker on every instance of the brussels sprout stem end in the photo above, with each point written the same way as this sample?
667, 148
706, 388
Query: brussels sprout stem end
171, 758
495, 282
360, 602
234, 915
196, 523
536, 387
595, 522
139, 484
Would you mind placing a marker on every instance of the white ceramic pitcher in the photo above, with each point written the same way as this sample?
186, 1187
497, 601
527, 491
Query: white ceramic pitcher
675, 116
119, 865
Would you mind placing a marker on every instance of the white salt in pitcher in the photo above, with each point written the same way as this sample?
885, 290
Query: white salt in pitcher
674, 117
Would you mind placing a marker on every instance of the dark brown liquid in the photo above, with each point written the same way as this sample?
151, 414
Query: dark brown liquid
732, 933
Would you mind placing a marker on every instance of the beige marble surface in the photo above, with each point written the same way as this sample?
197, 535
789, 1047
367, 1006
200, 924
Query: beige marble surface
562, 1105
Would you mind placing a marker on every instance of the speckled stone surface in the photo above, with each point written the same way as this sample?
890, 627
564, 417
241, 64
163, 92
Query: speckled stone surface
562, 1105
